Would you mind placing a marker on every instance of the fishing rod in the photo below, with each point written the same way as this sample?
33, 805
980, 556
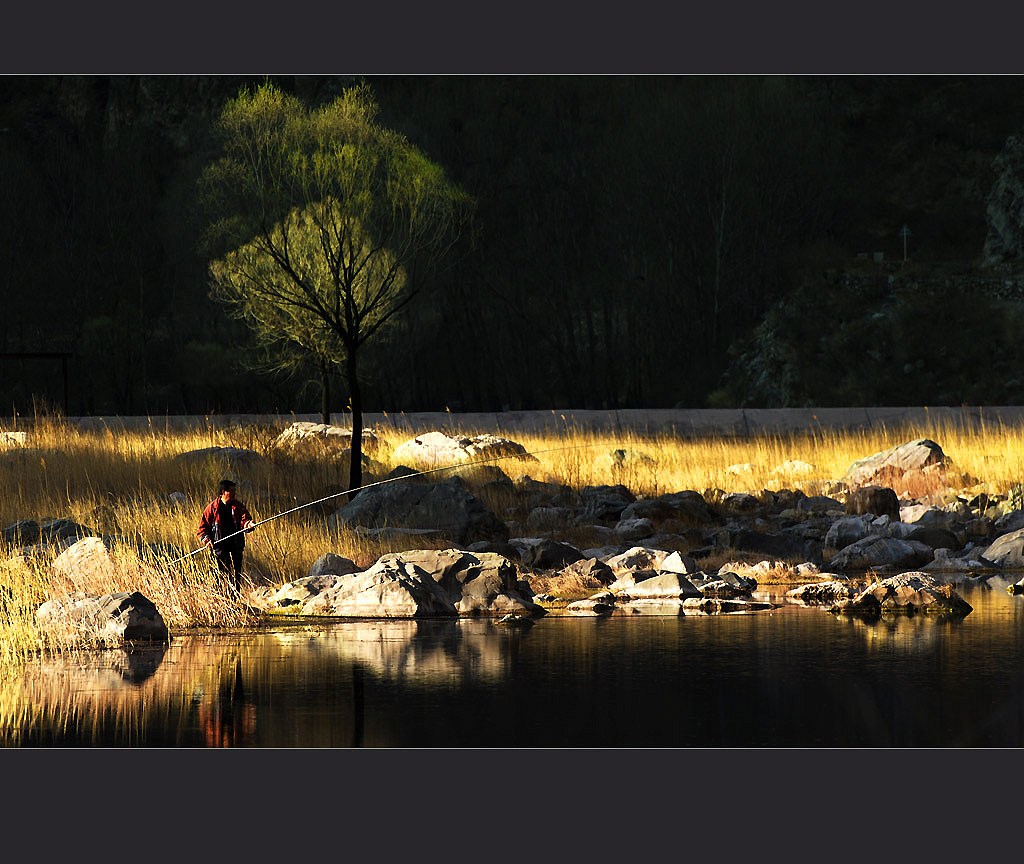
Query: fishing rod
423, 473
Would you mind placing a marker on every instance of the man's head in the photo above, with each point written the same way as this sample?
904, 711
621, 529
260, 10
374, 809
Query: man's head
227, 490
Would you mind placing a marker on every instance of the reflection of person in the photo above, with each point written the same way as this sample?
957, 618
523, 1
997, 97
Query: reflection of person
229, 720
224, 516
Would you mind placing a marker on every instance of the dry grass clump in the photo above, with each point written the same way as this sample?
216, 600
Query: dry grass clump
132, 484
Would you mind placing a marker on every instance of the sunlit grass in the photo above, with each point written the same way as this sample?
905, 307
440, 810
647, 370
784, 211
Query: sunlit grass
129, 484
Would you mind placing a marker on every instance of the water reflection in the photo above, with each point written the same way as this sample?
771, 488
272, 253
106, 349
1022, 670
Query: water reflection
228, 719
789, 677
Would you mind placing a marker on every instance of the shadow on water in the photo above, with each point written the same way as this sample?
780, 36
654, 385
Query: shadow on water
789, 677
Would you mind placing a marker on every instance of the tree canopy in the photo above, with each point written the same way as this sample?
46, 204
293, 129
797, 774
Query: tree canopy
329, 224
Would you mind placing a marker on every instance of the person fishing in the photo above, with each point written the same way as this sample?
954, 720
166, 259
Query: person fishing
221, 527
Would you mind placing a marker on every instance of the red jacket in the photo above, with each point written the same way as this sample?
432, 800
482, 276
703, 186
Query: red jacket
209, 527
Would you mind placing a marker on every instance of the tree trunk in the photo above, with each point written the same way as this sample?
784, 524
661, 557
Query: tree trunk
355, 473
325, 394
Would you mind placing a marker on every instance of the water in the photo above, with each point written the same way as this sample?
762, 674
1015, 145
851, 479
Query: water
793, 677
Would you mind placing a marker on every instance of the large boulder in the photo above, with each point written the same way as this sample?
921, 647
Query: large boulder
1007, 551
388, 589
446, 507
845, 531
881, 553
876, 500
661, 585
907, 594
323, 438
605, 503
106, 620
413, 584
49, 532
482, 583
575, 581
229, 459
543, 553
825, 593
890, 466
330, 563
93, 564
435, 449
673, 511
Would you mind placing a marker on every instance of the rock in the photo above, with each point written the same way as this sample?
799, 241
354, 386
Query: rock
677, 562
599, 605
636, 558
945, 562
822, 593
1006, 551
108, 619
548, 518
476, 584
332, 564
741, 504
323, 438
845, 531
766, 543
634, 529
893, 464
606, 503
912, 592
483, 478
878, 500
662, 585
230, 459
388, 589
446, 507
293, 595
861, 606
686, 509
935, 538
725, 584
881, 552
435, 449
543, 553
576, 580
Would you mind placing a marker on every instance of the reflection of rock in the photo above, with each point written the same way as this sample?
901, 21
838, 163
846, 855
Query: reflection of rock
139, 663
423, 650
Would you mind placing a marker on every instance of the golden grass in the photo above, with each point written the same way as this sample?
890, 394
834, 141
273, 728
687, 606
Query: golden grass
128, 483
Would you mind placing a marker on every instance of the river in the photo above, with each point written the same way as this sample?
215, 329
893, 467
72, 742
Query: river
789, 677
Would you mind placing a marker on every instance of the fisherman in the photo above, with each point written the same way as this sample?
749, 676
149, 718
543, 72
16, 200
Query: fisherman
221, 526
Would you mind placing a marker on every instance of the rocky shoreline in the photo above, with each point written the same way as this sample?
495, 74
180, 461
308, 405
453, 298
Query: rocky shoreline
860, 550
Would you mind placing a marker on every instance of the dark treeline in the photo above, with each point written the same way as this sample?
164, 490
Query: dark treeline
631, 237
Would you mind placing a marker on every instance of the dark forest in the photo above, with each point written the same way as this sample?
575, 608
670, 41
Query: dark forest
649, 241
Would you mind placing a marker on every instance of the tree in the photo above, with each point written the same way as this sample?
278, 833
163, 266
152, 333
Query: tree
333, 223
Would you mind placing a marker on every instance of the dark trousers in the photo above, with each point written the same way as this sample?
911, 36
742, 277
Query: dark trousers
230, 563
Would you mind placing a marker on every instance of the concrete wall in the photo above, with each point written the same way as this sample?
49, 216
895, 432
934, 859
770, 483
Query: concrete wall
681, 422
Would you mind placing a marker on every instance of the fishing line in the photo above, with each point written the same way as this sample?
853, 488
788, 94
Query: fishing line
381, 483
